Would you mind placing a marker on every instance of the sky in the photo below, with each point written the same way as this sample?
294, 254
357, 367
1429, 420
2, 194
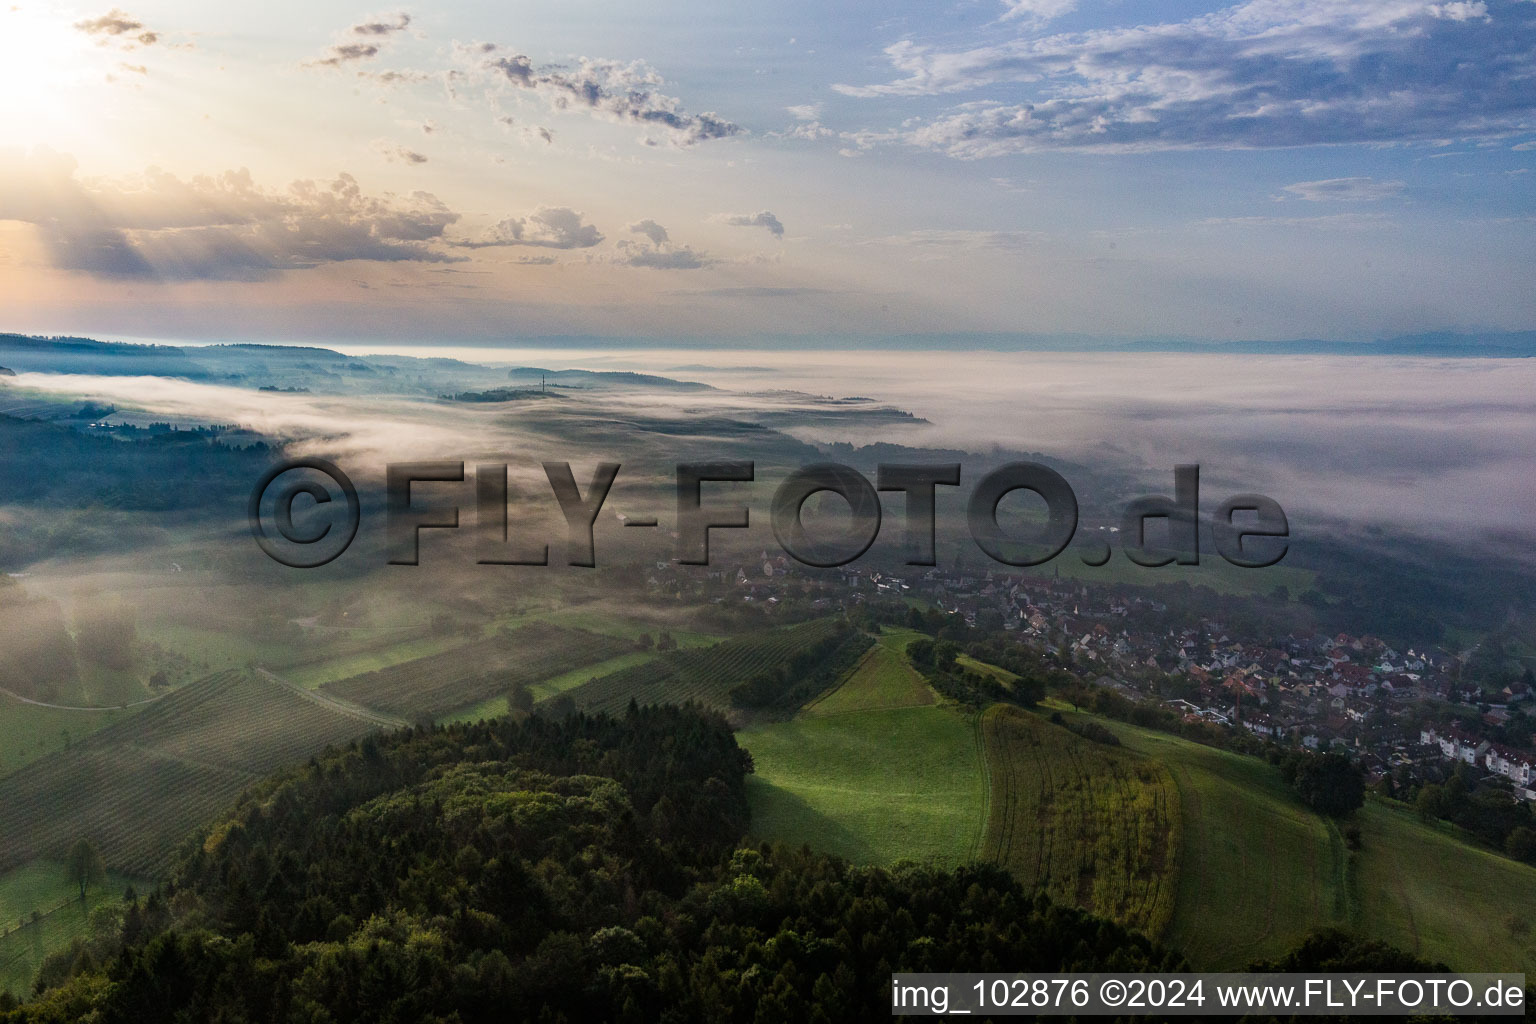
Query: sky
486, 172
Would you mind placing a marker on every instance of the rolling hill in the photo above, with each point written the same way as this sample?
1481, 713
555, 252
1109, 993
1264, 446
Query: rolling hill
138, 786
1207, 851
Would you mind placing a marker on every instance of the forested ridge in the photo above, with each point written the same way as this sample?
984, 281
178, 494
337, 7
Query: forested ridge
583, 869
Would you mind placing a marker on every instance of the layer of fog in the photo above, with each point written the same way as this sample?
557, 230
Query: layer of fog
1441, 447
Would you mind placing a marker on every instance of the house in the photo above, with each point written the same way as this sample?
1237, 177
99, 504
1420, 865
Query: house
1514, 765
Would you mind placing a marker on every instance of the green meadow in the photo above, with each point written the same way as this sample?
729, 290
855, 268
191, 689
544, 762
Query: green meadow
876, 786
44, 887
883, 678
28, 732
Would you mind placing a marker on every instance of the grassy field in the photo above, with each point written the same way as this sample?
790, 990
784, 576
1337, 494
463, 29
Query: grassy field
106, 687
874, 770
1093, 825
212, 650
883, 678
1427, 892
875, 786
28, 732
42, 886
1002, 675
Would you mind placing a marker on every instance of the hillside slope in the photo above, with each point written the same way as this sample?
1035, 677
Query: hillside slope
1253, 871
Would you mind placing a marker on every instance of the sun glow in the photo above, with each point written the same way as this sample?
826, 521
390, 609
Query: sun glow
44, 63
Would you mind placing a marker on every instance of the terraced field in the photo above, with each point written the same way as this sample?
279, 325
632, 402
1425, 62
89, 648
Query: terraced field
1092, 825
704, 675
138, 786
477, 671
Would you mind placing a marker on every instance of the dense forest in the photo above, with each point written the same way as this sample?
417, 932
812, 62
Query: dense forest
583, 869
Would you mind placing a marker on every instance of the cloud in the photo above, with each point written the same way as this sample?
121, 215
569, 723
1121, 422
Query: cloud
805, 111
808, 130
529, 133
650, 229
659, 257
1344, 190
627, 93
398, 154
1261, 73
159, 227
396, 77
1460, 11
343, 53
117, 23
659, 253
377, 29
760, 219
547, 227
399, 23
1038, 12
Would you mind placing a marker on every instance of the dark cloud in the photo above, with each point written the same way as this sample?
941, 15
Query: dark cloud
1262, 73
548, 227
760, 219
159, 227
613, 90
